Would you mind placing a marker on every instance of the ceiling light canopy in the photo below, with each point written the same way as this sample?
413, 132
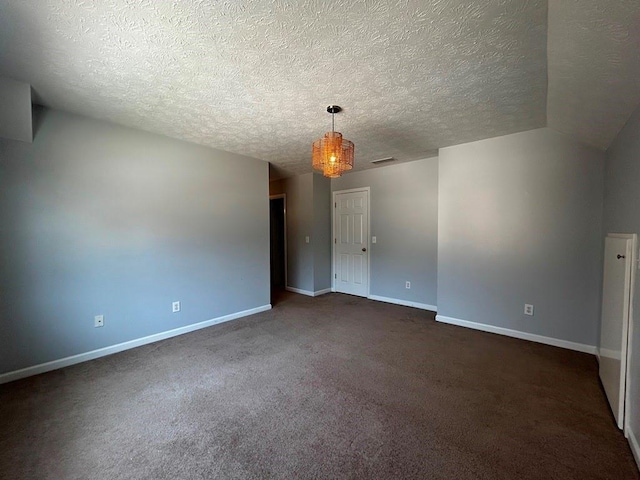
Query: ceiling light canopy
332, 155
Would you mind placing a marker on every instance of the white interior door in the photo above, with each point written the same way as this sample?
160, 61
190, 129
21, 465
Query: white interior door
351, 242
616, 297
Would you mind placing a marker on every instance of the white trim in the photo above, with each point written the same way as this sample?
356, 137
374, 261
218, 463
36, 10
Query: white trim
103, 352
628, 236
333, 235
406, 303
556, 342
635, 447
615, 355
352, 190
627, 396
308, 293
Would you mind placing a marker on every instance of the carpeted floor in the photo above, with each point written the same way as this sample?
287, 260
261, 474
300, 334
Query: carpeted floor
327, 387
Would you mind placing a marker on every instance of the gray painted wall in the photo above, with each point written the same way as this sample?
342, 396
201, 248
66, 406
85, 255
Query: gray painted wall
299, 192
15, 110
622, 215
101, 219
321, 232
520, 221
308, 199
404, 218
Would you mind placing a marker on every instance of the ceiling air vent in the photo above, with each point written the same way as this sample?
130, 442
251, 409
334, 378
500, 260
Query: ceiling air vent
383, 160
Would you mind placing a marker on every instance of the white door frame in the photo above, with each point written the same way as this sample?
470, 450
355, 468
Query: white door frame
634, 251
333, 235
283, 196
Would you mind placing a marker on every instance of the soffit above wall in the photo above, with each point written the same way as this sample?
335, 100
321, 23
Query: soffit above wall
254, 77
15, 110
594, 67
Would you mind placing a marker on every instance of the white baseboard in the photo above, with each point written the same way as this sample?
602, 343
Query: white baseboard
406, 303
308, 293
592, 349
635, 447
103, 352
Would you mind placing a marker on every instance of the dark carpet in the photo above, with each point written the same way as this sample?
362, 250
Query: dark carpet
327, 387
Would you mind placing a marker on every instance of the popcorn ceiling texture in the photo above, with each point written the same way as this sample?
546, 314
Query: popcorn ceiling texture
255, 77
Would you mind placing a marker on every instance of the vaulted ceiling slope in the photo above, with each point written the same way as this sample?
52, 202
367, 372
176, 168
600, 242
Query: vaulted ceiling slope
254, 76
594, 67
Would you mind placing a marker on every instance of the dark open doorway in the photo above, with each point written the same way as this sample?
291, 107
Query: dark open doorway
277, 216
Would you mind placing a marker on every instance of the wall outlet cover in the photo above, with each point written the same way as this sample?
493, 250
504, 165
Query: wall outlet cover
528, 309
175, 307
98, 321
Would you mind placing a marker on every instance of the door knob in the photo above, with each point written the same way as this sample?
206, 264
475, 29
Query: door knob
620, 256
364, 249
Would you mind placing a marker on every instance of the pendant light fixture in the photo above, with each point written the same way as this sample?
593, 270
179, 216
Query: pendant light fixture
332, 155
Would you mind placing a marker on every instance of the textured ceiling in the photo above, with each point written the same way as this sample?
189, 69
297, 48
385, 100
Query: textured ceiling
255, 76
594, 67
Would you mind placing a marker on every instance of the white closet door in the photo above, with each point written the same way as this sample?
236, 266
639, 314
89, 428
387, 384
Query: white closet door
615, 322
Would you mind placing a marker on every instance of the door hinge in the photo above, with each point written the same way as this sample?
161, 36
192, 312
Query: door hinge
335, 205
335, 240
335, 275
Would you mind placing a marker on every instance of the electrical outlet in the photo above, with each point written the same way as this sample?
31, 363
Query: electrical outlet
528, 309
306, 239
407, 285
175, 307
374, 239
98, 321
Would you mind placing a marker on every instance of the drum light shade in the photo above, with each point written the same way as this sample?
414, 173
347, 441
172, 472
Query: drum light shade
332, 155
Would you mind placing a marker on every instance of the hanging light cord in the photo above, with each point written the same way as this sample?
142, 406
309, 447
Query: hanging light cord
333, 122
